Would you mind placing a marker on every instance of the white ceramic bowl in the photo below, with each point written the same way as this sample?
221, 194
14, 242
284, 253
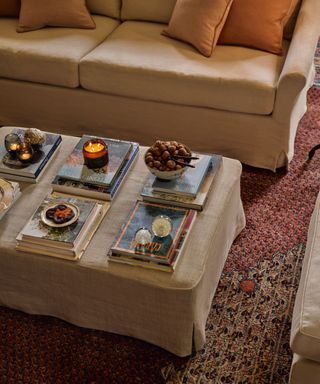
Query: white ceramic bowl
168, 175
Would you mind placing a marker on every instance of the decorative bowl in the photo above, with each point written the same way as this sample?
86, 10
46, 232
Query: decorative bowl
162, 154
51, 223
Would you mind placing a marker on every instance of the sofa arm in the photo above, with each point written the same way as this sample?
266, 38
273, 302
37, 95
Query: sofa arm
299, 61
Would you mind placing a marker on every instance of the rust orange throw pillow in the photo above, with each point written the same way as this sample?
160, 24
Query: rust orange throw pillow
36, 14
257, 24
198, 22
10, 8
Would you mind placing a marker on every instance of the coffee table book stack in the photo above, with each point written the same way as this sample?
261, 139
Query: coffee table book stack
67, 242
77, 179
161, 253
190, 190
9, 194
13, 169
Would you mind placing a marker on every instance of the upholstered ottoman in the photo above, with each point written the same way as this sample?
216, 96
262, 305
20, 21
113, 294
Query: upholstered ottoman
305, 329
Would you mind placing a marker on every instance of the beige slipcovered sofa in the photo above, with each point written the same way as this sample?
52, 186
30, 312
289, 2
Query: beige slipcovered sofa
305, 328
125, 80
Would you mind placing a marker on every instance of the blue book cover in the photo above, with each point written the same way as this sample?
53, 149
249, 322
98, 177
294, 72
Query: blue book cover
189, 182
87, 189
75, 169
159, 249
32, 170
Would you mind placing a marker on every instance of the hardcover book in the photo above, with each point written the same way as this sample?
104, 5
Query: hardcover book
75, 169
13, 168
198, 202
159, 249
86, 189
153, 263
188, 184
64, 237
67, 242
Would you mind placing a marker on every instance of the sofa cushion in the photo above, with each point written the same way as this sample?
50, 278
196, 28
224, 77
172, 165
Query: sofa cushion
137, 61
71, 14
49, 55
9, 8
305, 327
198, 24
290, 22
109, 8
161, 10
150, 10
256, 23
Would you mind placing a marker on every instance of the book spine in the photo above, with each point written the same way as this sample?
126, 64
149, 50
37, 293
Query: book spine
124, 172
48, 157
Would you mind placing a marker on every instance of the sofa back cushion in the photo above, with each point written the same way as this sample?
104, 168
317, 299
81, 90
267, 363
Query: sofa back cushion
109, 8
161, 10
292, 18
151, 10
9, 8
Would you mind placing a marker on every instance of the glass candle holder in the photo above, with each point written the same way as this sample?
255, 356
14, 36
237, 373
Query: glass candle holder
25, 152
95, 153
12, 143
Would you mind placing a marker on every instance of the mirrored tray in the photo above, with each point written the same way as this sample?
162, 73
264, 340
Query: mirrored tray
6, 194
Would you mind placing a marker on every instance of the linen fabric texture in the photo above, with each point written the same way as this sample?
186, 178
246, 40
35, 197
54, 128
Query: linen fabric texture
49, 55
198, 23
9, 8
257, 24
109, 8
37, 14
124, 296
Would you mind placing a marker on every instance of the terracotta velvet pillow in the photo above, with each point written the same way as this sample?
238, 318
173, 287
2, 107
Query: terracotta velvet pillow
10, 8
198, 22
257, 24
36, 14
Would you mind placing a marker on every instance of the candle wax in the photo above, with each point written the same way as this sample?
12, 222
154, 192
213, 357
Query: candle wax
94, 147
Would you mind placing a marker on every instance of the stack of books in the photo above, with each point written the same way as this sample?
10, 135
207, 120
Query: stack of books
190, 190
66, 242
9, 194
13, 169
76, 178
161, 253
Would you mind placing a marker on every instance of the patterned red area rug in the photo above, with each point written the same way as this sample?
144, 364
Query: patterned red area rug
249, 324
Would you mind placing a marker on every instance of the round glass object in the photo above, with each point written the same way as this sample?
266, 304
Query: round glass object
143, 236
25, 152
162, 226
12, 142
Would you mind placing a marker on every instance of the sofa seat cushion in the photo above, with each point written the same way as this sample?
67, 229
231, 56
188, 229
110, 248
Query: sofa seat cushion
305, 327
49, 55
137, 61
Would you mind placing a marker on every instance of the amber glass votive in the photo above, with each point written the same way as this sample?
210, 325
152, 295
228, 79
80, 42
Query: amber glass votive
25, 152
95, 153
12, 142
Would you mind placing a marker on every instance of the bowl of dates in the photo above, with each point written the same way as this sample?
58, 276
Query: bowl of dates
60, 215
168, 160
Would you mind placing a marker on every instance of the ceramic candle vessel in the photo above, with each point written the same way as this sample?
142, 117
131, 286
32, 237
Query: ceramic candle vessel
95, 153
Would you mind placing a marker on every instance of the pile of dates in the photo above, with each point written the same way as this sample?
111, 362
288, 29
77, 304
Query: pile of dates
167, 155
60, 214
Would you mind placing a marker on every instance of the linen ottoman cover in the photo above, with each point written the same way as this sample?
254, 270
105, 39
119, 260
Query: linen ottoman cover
305, 329
167, 309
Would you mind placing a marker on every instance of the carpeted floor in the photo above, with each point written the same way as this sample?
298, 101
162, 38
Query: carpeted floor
249, 323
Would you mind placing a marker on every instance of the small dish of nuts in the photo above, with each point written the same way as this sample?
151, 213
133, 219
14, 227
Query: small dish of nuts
168, 160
